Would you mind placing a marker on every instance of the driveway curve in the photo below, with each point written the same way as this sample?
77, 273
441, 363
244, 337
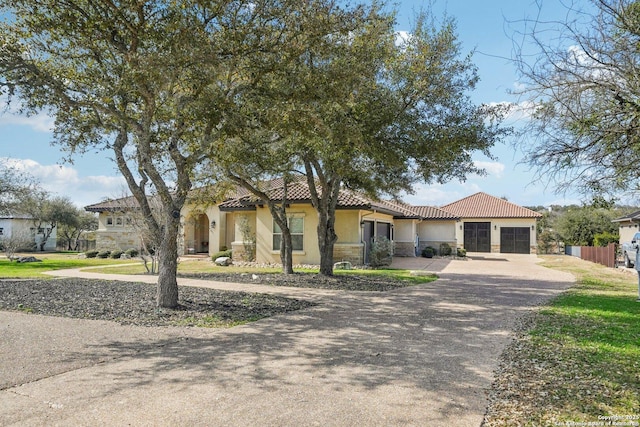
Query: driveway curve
417, 356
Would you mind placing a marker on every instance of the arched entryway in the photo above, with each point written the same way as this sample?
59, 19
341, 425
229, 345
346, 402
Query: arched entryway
197, 234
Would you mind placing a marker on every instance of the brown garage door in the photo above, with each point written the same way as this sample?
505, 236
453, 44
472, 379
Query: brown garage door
515, 240
477, 236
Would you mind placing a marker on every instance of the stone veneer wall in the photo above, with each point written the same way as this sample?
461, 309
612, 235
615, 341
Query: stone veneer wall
436, 244
352, 252
404, 249
122, 240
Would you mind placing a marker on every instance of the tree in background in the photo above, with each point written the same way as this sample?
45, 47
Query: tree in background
14, 182
582, 82
579, 225
70, 232
47, 212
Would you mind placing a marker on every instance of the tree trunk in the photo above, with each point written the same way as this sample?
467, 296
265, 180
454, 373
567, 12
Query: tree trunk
326, 240
286, 251
167, 290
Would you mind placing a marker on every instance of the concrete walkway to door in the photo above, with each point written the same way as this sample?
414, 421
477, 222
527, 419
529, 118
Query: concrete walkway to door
417, 356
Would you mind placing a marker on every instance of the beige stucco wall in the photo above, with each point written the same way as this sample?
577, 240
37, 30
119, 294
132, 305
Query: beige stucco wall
348, 247
435, 232
627, 230
199, 234
496, 224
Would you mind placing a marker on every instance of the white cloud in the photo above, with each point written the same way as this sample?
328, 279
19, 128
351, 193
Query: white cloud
65, 181
39, 122
10, 115
402, 37
495, 169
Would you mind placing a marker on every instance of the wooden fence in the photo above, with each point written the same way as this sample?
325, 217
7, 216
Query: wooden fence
600, 255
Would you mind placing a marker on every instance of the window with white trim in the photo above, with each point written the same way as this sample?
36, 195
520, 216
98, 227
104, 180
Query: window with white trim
296, 226
110, 221
1, 231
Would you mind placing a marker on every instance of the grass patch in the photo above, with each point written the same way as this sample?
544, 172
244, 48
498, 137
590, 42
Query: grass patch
53, 261
580, 359
206, 269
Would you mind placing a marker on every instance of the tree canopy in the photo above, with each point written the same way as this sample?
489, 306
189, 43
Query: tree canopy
361, 109
581, 81
148, 80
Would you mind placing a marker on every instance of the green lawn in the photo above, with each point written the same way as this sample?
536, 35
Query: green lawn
59, 261
50, 261
580, 360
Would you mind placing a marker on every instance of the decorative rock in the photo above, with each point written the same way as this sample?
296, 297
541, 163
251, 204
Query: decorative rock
344, 265
28, 259
223, 261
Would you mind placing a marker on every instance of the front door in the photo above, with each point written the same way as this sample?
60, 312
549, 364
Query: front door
477, 236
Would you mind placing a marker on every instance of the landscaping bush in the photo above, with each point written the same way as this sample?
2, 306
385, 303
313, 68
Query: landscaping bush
381, 252
132, 252
429, 252
116, 254
603, 239
217, 255
462, 252
91, 254
445, 249
103, 254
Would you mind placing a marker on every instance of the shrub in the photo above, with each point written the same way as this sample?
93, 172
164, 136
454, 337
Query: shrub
603, 239
91, 254
429, 252
221, 254
445, 249
132, 252
381, 252
104, 254
115, 254
461, 252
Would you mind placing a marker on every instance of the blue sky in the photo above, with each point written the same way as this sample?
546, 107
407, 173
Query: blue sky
486, 26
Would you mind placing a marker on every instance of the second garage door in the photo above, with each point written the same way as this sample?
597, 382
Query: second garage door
515, 240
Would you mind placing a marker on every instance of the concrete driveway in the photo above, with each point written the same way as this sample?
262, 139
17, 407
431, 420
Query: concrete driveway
418, 356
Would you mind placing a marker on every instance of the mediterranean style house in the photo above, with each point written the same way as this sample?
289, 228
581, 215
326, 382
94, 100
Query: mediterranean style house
478, 223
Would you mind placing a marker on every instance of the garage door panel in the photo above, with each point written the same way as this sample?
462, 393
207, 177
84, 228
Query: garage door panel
477, 236
515, 240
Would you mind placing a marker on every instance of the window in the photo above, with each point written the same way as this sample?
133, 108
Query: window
119, 221
1, 231
296, 226
127, 221
110, 221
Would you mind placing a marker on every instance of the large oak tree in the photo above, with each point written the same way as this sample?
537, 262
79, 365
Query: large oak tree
360, 109
147, 80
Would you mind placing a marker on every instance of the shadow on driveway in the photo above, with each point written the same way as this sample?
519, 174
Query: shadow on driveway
421, 355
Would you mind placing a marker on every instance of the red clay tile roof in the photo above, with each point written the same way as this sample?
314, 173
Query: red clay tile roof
114, 205
430, 212
482, 205
298, 192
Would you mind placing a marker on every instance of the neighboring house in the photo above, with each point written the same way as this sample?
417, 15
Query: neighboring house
478, 223
628, 225
14, 225
491, 224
